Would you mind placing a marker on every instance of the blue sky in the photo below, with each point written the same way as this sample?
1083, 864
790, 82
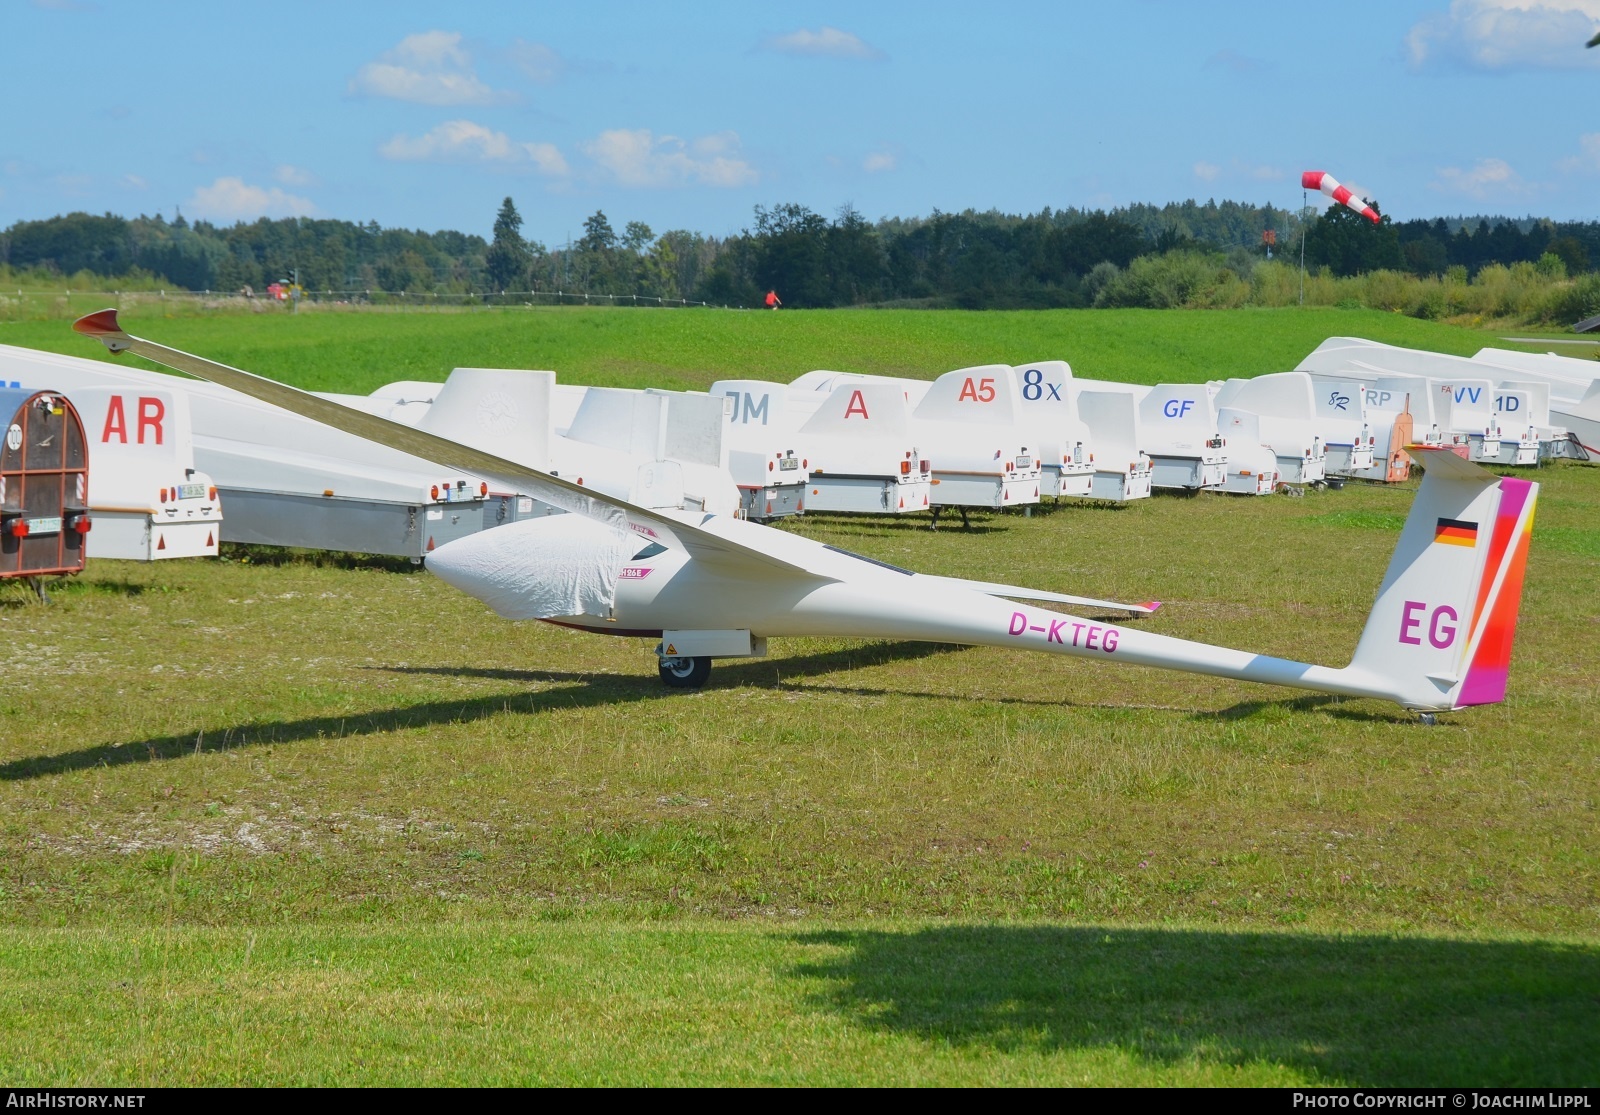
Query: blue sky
688, 115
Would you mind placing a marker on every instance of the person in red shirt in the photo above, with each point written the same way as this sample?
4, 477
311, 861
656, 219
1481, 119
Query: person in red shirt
773, 301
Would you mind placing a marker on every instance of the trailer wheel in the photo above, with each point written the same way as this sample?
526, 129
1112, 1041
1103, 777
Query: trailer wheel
679, 672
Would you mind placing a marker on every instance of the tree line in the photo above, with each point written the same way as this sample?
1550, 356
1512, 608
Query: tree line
1052, 258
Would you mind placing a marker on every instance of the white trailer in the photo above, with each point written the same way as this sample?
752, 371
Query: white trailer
1183, 440
284, 479
1050, 418
1252, 468
1572, 393
769, 461
864, 456
1122, 470
146, 498
1285, 403
1494, 437
1348, 431
970, 421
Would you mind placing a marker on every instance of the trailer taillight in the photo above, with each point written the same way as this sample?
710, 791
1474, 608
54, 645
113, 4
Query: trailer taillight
163, 495
927, 465
82, 525
433, 492
19, 528
212, 493
483, 487
905, 468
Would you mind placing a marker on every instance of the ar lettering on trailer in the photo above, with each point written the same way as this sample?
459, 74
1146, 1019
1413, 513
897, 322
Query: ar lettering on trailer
1090, 636
151, 413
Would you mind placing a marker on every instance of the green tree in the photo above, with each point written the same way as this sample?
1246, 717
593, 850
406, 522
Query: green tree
1346, 243
508, 260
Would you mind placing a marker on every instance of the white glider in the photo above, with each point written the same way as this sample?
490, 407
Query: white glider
1438, 638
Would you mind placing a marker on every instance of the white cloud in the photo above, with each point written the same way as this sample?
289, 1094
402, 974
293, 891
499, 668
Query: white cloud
1508, 34
1207, 172
293, 175
1488, 179
431, 68
1588, 157
536, 61
879, 161
233, 199
638, 157
134, 182
825, 42
462, 141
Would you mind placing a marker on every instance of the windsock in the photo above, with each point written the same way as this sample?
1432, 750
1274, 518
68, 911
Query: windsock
1328, 184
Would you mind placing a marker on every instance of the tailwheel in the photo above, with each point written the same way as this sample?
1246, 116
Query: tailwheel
680, 672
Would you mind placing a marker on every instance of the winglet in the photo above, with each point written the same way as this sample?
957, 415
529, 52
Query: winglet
1150, 606
104, 327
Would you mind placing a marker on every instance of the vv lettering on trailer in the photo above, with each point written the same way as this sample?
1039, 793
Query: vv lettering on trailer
1468, 394
150, 413
746, 410
1091, 636
1034, 388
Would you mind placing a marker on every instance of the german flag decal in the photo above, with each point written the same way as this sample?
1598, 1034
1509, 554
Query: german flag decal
1455, 532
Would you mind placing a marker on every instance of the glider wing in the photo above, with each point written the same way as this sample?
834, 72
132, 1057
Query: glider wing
706, 545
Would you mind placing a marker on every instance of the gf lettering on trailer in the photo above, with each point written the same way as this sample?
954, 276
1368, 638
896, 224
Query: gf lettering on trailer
151, 413
1177, 408
1098, 638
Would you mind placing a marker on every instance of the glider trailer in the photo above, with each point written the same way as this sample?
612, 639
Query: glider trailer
1438, 638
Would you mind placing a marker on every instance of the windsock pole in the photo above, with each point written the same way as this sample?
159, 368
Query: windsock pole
1305, 203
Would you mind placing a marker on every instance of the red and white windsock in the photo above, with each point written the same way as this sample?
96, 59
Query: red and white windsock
1328, 184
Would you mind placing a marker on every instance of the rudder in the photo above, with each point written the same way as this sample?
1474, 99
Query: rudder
1441, 630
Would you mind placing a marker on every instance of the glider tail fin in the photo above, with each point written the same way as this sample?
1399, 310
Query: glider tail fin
1440, 633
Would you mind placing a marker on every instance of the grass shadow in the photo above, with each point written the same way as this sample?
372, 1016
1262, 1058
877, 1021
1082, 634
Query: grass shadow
574, 690
1366, 1010
1328, 704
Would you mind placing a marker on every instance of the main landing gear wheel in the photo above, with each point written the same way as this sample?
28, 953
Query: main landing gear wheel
679, 672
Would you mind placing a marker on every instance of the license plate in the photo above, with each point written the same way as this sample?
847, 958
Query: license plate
788, 464
191, 491
1025, 461
44, 526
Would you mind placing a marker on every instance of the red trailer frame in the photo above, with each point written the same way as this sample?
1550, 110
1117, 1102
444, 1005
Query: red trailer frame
44, 485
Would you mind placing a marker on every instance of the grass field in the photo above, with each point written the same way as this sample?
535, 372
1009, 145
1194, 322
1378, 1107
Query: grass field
355, 351
322, 821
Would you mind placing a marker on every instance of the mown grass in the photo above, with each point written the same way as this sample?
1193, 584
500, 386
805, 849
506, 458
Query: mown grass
948, 1003
333, 822
688, 349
